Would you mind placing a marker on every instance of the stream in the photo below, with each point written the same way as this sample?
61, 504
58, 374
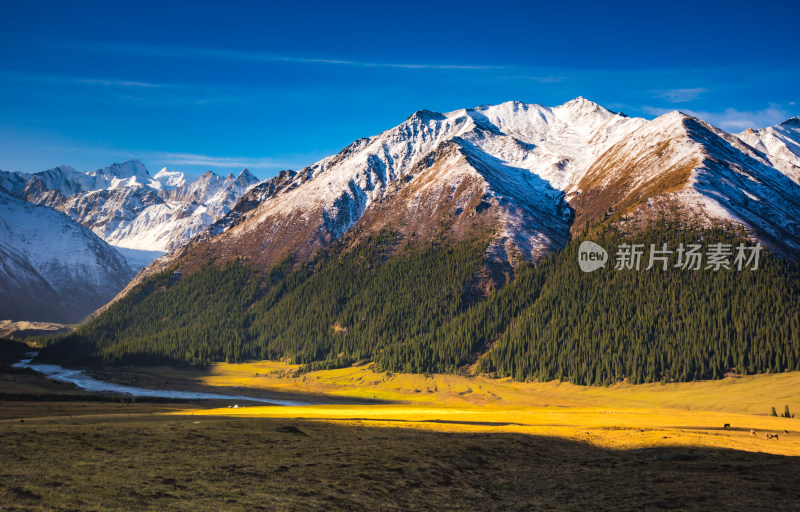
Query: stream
83, 381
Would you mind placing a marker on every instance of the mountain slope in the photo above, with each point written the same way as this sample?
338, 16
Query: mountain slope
506, 167
410, 307
53, 269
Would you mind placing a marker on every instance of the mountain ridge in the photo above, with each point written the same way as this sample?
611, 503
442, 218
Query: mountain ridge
569, 151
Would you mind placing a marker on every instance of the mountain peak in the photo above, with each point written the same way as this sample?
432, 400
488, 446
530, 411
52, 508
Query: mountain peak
64, 168
425, 115
673, 116
247, 176
164, 172
127, 169
793, 122
582, 103
169, 178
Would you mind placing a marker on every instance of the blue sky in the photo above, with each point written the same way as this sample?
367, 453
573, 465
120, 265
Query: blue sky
220, 86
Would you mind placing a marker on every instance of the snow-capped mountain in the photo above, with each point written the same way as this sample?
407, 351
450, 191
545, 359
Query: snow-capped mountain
130, 209
781, 145
506, 167
52, 268
683, 164
529, 174
182, 211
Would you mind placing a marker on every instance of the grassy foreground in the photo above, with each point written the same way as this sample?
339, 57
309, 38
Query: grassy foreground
189, 463
428, 442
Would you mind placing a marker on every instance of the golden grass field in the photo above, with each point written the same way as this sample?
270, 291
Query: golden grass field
622, 416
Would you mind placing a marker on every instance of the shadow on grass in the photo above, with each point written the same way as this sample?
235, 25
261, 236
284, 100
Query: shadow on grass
189, 463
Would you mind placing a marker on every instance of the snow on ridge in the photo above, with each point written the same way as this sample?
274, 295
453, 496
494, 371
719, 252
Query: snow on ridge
556, 145
167, 179
551, 145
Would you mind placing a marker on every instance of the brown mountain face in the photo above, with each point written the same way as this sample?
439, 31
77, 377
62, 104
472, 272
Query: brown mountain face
680, 166
653, 161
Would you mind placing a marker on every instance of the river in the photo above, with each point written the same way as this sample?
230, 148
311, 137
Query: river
83, 381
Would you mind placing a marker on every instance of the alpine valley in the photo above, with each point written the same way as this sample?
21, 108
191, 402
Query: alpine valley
449, 243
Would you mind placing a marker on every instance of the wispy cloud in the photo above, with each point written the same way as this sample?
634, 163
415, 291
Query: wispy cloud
183, 52
734, 120
68, 80
122, 83
112, 90
210, 161
540, 79
680, 95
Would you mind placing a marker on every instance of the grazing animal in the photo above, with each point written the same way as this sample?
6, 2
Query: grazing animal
771, 436
753, 433
727, 425
786, 432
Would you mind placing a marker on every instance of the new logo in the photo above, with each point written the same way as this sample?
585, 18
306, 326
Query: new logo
591, 256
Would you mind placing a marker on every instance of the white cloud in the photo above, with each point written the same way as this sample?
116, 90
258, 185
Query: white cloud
112, 90
733, 120
680, 95
214, 161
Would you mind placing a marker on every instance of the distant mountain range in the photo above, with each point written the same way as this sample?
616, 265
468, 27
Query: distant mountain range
127, 207
63, 233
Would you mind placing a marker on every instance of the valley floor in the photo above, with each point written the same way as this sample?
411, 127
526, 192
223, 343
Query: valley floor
623, 416
426, 442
